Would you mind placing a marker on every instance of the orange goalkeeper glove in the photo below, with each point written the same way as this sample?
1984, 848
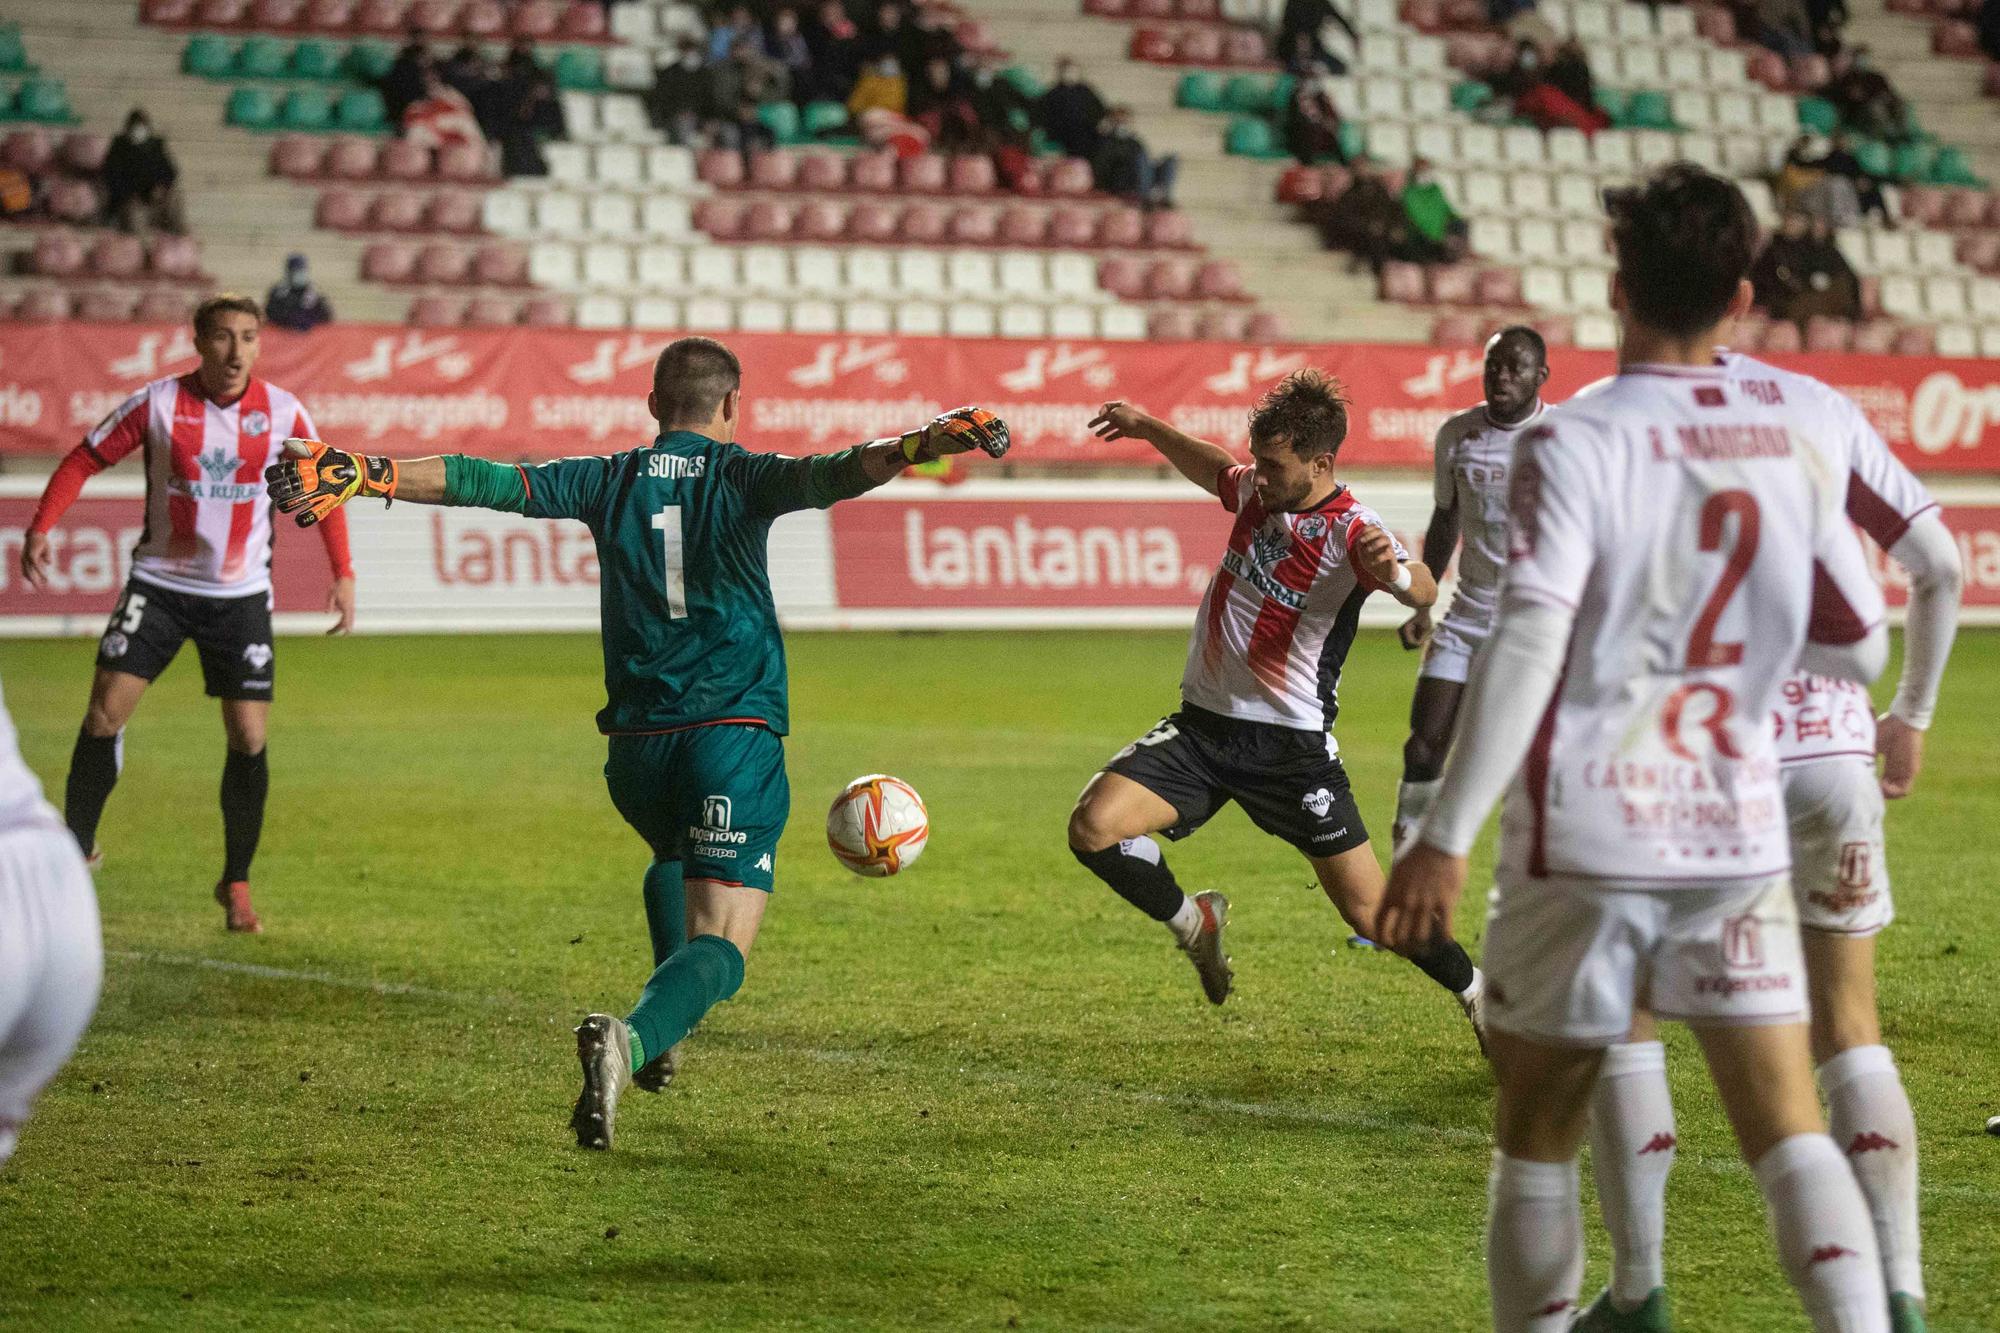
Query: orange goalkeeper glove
314, 480
958, 431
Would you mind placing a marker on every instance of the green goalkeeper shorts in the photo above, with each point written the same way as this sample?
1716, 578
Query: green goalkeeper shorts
713, 798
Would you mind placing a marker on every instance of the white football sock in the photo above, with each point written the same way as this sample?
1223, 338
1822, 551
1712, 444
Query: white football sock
1534, 1245
1873, 1125
1413, 802
1631, 1152
1186, 920
1826, 1243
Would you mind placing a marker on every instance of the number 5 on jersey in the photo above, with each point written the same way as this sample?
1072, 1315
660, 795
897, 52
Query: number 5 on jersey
668, 522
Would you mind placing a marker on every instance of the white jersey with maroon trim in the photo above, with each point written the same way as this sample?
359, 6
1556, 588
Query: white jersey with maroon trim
208, 518
21, 802
1696, 527
1469, 475
1820, 718
1281, 610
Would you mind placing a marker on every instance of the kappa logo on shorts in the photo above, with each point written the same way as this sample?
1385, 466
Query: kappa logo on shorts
1857, 864
115, 644
764, 862
1743, 944
258, 655
1319, 802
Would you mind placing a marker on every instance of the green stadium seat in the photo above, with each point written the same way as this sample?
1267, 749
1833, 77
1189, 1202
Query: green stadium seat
1874, 156
782, 119
253, 108
1282, 89
1817, 116
823, 119
1024, 83
1040, 145
1353, 140
361, 112
579, 68
1611, 101
307, 109
368, 62
1199, 90
208, 57
44, 100
13, 53
1246, 94
1470, 95
1913, 161
1951, 168
316, 60
1250, 136
1649, 110
261, 58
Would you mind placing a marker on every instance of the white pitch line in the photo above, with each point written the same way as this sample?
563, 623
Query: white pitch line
1718, 1163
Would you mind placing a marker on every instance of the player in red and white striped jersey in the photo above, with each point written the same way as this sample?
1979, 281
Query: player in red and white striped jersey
1260, 691
1679, 547
201, 571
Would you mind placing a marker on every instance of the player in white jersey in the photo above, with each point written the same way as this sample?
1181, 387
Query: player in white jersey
201, 571
1827, 739
51, 952
1678, 549
1260, 690
1469, 500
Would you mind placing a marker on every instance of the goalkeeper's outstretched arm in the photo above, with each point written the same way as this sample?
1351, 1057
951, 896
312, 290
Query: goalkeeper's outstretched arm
1197, 460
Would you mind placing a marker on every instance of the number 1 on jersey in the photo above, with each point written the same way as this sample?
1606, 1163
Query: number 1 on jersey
668, 521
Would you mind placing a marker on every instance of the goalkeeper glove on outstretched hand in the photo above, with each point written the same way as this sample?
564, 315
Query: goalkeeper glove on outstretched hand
312, 481
958, 431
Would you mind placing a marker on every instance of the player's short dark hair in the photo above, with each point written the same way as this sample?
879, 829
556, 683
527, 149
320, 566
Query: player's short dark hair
1523, 333
1307, 410
224, 303
1685, 240
691, 378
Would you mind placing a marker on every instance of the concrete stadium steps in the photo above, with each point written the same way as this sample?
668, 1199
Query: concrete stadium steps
246, 220
1944, 91
1229, 201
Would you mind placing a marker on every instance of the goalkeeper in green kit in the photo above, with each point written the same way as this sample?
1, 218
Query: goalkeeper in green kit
693, 662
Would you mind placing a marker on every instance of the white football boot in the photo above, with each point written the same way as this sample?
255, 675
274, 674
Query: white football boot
604, 1049
1204, 946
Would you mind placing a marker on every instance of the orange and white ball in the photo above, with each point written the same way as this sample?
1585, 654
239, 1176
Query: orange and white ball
878, 825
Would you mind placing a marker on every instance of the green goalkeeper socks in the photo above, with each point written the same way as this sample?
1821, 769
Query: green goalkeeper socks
703, 973
666, 909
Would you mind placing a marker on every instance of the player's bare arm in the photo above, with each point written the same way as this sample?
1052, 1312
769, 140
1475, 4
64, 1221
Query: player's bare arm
1440, 539
1413, 584
1198, 460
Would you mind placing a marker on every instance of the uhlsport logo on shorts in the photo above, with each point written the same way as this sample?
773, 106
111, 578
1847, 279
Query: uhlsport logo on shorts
115, 644
1319, 802
258, 655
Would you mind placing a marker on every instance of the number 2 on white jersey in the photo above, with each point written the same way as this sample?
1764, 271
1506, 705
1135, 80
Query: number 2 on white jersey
1703, 650
668, 521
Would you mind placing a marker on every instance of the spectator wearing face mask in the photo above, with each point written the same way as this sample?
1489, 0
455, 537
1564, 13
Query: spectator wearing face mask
790, 51
1070, 112
1124, 168
1864, 98
739, 29
403, 82
295, 303
1802, 274
939, 102
1364, 219
141, 182
1312, 124
679, 95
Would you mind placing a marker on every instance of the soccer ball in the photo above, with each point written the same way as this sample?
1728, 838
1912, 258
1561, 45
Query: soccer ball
878, 825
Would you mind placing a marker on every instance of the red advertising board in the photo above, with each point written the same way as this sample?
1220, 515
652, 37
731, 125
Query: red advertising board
536, 393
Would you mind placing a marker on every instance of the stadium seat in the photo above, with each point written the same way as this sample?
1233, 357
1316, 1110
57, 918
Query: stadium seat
402, 160
388, 262
252, 109
1219, 280
306, 109
74, 201
365, 62
660, 268
554, 264
1171, 324
820, 220
977, 224
569, 163
721, 167
360, 111
823, 120
493, 310
164, 305
342, 210
398, 210
1023, 275
500, 266
57, 255
452, 211
1120, 228
923, 174
767, 221
1169, 230
444, 263
872, 271
221, 13
1452, 285
582, 69
30, 150
766, 269
972, 174
816, 271
438, 311
260, 57
107, 304
117, 257
971, 274
42, 305
656, 312
316, 60
207, 56
925, 224
607, 266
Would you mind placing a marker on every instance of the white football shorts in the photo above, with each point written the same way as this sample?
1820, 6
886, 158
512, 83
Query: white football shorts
1457, 637
51, 964
1567, 962
1839, 872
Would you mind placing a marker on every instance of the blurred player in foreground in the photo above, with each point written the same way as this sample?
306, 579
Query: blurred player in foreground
51, 949
693, 662
1261, 688
1469, 499
1827, 741
201, 571
1679, 548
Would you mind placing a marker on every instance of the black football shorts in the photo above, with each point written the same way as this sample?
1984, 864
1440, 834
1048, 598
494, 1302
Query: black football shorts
232, 635
1288, 781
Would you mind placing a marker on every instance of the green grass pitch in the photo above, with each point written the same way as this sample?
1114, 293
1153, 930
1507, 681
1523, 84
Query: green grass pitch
984, 1095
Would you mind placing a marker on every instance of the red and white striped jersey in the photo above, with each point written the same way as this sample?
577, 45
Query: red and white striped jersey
1281, 609
208, 518
1819, 718
1693, 519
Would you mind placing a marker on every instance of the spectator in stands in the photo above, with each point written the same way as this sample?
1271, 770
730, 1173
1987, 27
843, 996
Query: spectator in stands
738, 30
679, 97
1802, 274
1544, 92
759, 78
1364, 219
140, 180
940, 102
789, 49
1518, 19
1124, 168
1312, 124
1828, 18
17, 192
881, 87
1988, 22
440, 116
403, 83
1841, 162
1434, 232
295, 303
527, 120
836, 52
468, 70
1783, 26
1865, 100
1070, 112
1002, 107
1569, 74
745, 131
892, 35
1306, 19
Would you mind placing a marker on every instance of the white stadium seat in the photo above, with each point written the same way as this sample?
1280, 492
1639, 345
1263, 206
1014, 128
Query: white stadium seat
866, 317
1676, 23
1734, 111
669, 167
1429, 99
1745, 155
1585, 242
579, 115
1485, 192
1654, 148
1435, 141
558, 213
599, 311
1986, 298
1640, 67
1944, 298
919, 319
623, 116
1423, 55
1577, 197
1632, 21
816, 270
1704, 150
918, 273
970, 319
1529, 192
1777, 114
1902, 298
506, 213
1022, 274
1382, 99
767, 269
1612, 151
1521, 146
1589, 289
1535, 238
634, 23
710, 314
1074, 277
1590, 22
868, 271
627, 67
1121, 323
713, 268
1072, 321
667, 215
1491, 237
1727, 68
1568, 148
1391, 143
815, 317
552, 264
617, 165
1758, 194
1543, 288
970, 273
1685, 66
1852, 242
1694, 110
1989, 341
614, 215
762, 316
1957, 340
1021, 320
1596, 333
1479, 145
1933, 251
607, 266
1891, 252
661, 268
656, 312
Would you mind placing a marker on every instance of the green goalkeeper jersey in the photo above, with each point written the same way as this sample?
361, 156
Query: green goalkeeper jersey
690, 630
